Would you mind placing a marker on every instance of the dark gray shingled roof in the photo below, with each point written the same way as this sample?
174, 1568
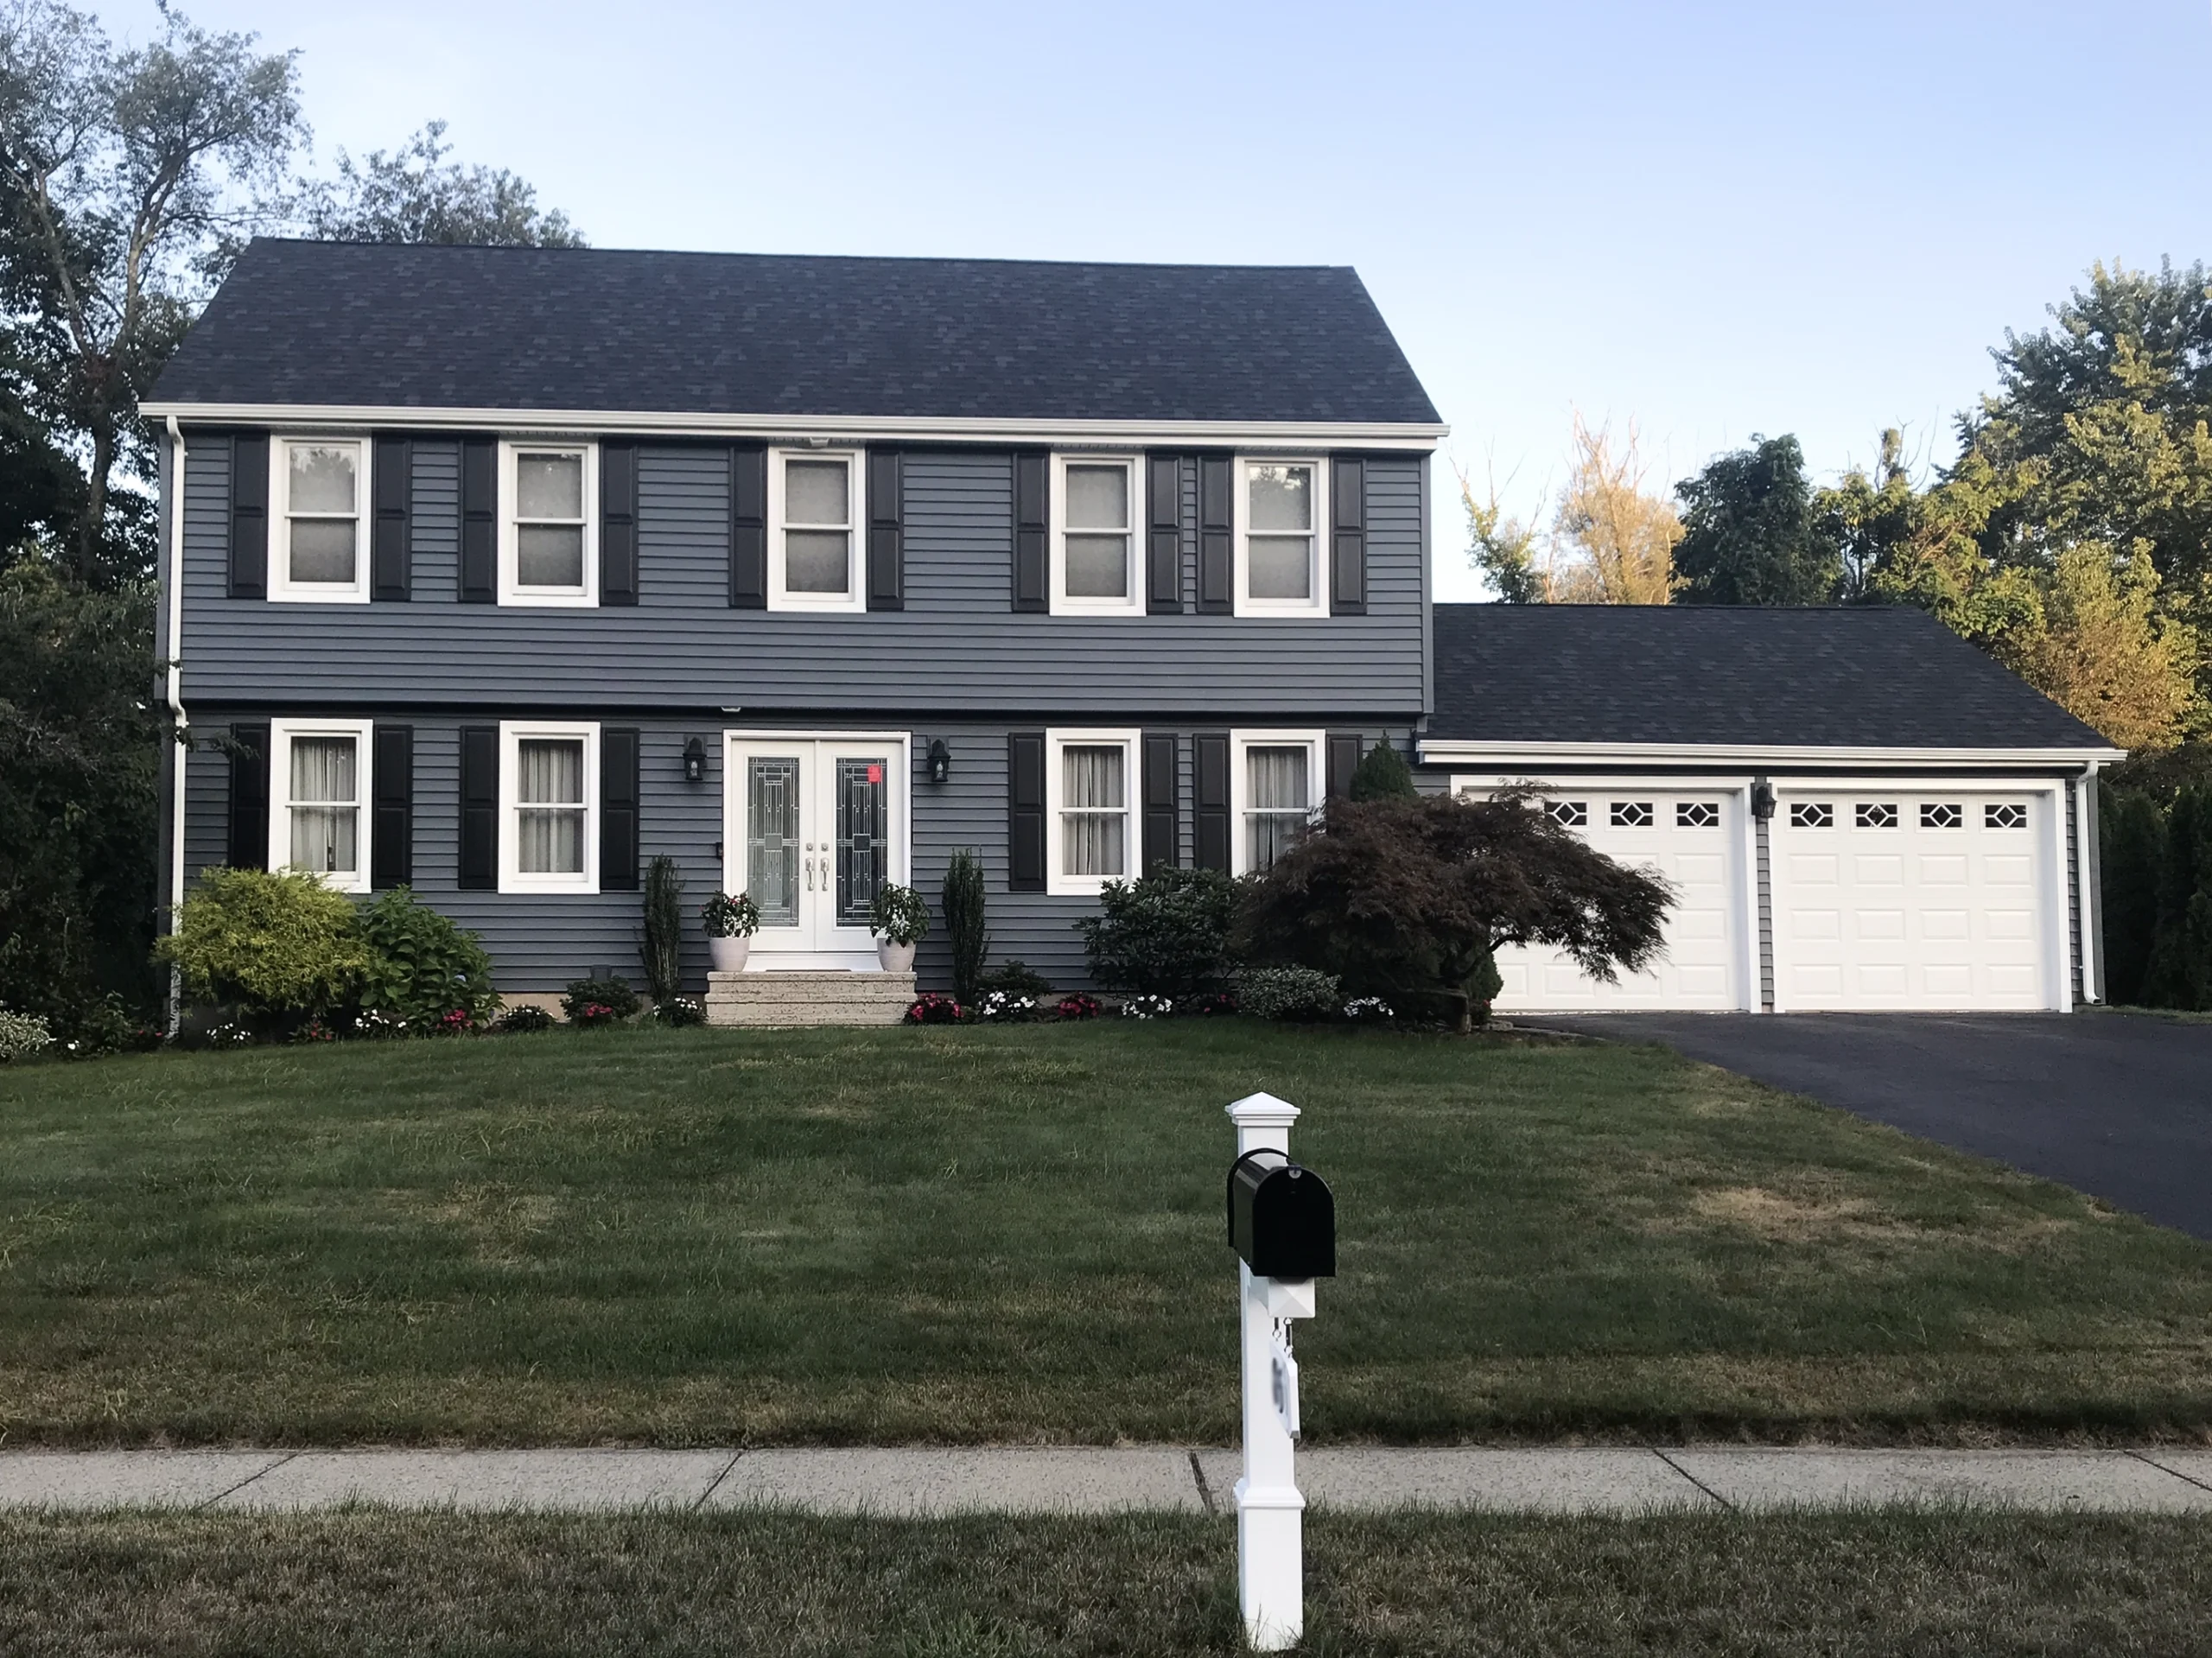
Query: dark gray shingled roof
336, 323
1852, 676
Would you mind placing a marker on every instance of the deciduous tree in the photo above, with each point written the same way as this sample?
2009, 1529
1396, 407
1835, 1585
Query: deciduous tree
415, 194
1614, 543
1750, 534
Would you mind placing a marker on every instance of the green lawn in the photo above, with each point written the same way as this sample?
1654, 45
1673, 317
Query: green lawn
1835, 1586
1015, 1235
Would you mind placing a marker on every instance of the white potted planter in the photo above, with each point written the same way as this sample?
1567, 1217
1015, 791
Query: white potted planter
729, 923
894, 958
899, 920
729, 954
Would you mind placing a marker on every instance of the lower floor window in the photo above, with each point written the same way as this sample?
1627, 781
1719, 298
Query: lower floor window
1094, 810
320, 771
548, 794
1275, 791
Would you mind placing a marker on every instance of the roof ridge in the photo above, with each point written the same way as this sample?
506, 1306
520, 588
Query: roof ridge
843, 259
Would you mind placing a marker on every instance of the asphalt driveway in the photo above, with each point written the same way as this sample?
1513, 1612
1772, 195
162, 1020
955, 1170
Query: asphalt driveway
2118, 1105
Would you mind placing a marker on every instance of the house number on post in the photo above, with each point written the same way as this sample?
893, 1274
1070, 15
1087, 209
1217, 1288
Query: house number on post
1282, 1223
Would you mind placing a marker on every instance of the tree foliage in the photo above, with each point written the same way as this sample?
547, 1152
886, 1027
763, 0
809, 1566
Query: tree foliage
1749, 535
415, 194
1400, 895
1609, 543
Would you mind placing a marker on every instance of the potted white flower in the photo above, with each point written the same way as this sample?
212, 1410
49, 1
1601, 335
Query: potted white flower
899, 920
731, 922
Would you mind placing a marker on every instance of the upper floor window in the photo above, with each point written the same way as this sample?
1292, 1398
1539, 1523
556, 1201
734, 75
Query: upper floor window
1095, 506
549, 793
319, 487
1278, 514
548, 493
1091, 805
1274, 793
814, 510
320, 771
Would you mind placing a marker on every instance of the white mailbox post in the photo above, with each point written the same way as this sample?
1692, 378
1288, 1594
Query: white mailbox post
1270, 1545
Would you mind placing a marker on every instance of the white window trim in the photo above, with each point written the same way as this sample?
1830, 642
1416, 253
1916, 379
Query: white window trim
282, 733
854, 597
511, 879
512, 592
281, 588
1132, 604
1057, 884
1317, 605
1315, 743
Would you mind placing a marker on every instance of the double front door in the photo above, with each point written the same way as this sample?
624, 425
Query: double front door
814, 828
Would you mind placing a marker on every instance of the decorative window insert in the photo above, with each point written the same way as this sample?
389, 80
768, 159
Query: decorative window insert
548, 806
1280, 510
320, 774
2006, 814
318, 491
549, 551
771, 841
1941, 815
1096, 503
814, 514
1696, 814
1089, 810
1875, 815
1571, 813
1631, 813
1811, 815
1274, 790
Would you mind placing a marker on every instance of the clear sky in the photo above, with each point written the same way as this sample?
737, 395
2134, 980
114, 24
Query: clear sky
1717, 220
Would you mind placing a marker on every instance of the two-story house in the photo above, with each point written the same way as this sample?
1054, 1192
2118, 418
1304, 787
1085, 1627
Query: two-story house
497, 572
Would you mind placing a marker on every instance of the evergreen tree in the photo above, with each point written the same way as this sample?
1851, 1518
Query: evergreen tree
1750, 536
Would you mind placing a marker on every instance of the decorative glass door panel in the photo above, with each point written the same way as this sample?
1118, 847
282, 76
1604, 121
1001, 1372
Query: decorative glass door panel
815, 830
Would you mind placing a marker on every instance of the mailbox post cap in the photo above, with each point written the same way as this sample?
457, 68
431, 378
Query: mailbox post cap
1262, 1111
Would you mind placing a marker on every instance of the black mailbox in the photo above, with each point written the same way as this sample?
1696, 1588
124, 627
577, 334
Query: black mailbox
1281, 1218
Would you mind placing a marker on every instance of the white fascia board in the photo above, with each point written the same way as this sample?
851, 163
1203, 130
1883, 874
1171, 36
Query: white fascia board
854, 429
1502, 754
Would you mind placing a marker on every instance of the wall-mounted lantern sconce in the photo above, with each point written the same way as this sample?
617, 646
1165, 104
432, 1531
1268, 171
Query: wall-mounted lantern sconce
940, 760
694, 761
1762, 799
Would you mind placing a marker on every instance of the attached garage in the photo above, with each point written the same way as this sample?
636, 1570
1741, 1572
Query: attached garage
1858, 810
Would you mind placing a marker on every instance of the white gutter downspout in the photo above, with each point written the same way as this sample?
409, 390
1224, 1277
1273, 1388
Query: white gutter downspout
2086, 895
172, 678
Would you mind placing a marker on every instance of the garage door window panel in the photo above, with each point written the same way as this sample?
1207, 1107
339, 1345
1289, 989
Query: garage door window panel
1812, 815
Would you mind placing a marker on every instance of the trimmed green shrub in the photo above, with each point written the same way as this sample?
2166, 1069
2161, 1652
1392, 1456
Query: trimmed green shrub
1297, 993
612, 996
1165, 934
660, 945
1015, 978
421, 966
279, 944
961, 902
2133, 832
1383, 774
23, 1036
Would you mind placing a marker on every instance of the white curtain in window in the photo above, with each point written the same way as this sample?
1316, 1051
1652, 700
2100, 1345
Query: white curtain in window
550, 792
1276, 786
325, 802
1094, 818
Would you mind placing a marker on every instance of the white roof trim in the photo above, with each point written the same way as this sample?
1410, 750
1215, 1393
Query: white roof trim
1463, 753
1377, 435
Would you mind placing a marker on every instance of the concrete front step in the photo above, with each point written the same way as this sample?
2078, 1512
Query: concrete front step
808, 998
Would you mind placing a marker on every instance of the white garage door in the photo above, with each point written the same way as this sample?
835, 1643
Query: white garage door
1693, 839
1888, 899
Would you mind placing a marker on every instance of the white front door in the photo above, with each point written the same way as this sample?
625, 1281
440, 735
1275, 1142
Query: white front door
813, 828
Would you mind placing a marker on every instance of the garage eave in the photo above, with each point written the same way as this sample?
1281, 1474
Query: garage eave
1446, 752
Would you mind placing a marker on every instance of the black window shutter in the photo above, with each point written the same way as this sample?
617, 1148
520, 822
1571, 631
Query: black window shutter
248, 515
1025, 823
249, 837
886, 531
1162, 800
1163, 541
1217, 535
1343, 760
749, 528
1032, 531
479, 521
479, 809
1348, 544
392, 480
618, 808
1210, 749
617, 524
392, 827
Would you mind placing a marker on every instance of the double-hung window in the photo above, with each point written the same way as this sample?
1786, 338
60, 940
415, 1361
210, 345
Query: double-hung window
1096, 501
1090, 781
814, 521
1280, 515
319, 771
319, 492
1274, 790
550, 496
549, 806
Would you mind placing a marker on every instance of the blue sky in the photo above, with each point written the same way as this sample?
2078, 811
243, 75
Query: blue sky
1715, 219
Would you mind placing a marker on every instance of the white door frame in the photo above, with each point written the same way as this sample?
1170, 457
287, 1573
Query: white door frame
2052, 894
899, 747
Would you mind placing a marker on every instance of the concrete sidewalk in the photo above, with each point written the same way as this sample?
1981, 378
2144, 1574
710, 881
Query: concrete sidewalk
919, 1482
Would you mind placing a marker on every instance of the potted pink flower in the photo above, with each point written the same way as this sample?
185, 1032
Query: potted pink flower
731, 922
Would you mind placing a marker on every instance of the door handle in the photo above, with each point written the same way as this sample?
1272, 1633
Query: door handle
809, 874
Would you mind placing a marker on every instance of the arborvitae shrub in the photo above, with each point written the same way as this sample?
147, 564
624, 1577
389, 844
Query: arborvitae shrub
961, 902
661, 943
1383, 774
